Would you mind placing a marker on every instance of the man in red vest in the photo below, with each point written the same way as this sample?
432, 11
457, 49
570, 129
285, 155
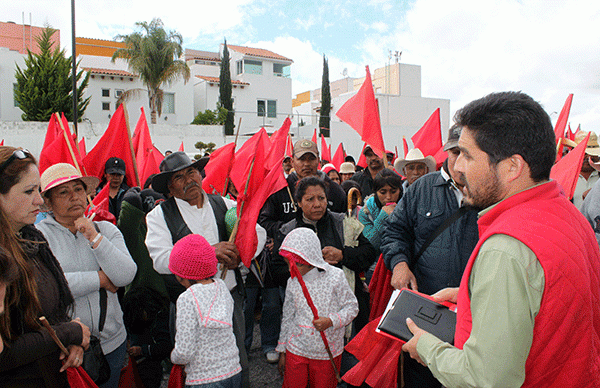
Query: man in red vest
529, 300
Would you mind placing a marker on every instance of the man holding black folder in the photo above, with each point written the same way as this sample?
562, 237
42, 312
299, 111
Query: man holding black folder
529, 300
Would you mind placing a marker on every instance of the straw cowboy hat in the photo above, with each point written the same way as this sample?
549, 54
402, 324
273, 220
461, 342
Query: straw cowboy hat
415, 156
176, 161
61, 173
592, 147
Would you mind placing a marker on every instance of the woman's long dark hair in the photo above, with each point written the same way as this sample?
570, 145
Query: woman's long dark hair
22, 294
383, 178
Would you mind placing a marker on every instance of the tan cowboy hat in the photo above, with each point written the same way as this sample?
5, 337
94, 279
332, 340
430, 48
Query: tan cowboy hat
347, 168
415, 156
592, 147
61, 173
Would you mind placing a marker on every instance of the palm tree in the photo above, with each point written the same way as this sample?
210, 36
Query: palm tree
153, 54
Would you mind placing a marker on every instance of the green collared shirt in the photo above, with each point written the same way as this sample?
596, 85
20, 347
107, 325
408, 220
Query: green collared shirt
506, 286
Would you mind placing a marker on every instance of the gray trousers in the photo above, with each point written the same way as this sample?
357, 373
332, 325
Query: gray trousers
239, 330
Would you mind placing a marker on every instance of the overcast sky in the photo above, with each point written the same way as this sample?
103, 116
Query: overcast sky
466, 48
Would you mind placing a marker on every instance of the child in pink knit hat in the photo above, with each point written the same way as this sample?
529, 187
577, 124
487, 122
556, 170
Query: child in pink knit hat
204, 341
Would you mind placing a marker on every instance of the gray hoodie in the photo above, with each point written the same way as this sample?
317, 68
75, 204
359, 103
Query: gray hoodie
81, 264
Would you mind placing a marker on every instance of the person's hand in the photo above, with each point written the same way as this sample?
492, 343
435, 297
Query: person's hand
402, 277
86, 227
449, 294
134, 351
270, 244
85, 333
322, 323
411, 346
332, 255
106, 283
74, 359
281, 364
389, 208
227, 254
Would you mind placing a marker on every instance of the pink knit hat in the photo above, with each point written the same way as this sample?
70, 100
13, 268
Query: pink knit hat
193, 258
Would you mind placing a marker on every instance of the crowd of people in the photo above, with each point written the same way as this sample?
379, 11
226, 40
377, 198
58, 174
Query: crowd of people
164, 285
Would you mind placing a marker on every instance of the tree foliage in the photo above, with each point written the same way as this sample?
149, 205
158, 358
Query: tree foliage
204, 148
324, 119
153, 54
225, 99
211, 117
45, 84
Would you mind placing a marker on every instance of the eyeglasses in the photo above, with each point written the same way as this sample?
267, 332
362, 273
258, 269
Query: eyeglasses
17, 154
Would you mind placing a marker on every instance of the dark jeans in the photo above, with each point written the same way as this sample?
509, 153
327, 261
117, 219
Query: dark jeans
270, 320
116, 360
416, 375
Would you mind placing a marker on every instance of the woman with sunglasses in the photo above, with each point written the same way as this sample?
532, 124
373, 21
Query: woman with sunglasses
30, 357
94, 257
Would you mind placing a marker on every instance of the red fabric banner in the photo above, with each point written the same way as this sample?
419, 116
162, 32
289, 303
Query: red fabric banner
361, 112
114, 143
566, 170
338, 157
314, 138
181, 147
325, 150
561, 122
429, 138
362, 159
218, 169
56, 149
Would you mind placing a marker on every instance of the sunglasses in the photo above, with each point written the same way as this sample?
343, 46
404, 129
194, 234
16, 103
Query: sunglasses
17, 154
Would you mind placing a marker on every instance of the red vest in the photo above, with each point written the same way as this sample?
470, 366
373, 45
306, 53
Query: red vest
566, 337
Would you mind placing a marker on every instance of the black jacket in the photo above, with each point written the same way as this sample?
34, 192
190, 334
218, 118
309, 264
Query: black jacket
422, 209
280, 208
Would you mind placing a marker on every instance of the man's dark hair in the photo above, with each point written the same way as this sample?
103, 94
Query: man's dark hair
509, 123
349, 158
305, 183
387, 177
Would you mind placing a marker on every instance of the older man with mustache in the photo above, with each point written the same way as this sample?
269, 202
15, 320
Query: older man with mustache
190, 210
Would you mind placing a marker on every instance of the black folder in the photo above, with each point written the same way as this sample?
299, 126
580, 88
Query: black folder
430, 316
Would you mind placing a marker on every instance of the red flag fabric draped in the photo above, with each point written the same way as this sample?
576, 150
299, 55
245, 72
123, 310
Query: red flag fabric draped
114, 143
279, 141
338, 157
243, 158
325, 150
561, 122
566, 170
56, 149
361, 112
181, 147
289, 148
151, 165
100, 206
440, 157
429, 138
405, 143
569, 135
142, 142
2, 142
362, 159
314, 138
218, 168
81, 146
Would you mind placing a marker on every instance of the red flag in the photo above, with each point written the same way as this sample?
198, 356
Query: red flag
114, 143
289, 148
362, 159
57, 150
361, 112
279, 141
578, 129
314, 138
405, 143
440, 157
338, 157
566, 171
143, 147
2, 142
81, 146
244, 157
158, 153
429, 138
561, 123
151, 165
325, 150
99, 206
569, 135
181, 147
218, 169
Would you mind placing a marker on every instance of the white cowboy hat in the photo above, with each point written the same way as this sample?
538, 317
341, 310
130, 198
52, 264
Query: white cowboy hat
415, 156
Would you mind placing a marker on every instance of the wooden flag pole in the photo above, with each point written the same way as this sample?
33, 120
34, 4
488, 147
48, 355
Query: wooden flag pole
64, 131
235, 142
135, 168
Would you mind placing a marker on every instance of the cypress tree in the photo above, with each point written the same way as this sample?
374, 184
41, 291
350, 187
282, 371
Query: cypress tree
225, 99
324, 119
44, 85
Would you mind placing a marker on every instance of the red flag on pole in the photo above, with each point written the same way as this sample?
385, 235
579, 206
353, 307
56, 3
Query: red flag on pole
405, 143
325, 150
289, 148
561, 123
142, 142
81, 146
314, 138
440, 157
99, 206
569, 135
338, 158
429, 138
244, 157
2, 142
362, 114
151, 165
56, 149
114, 143
566, 171
279, 142
181, 147
362, 159
218, 169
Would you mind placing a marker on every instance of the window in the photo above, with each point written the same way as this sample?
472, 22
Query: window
252, 67
118, 92
15, 87
281, 70
268, 106
168, 103
199, 62
105, 92
240, 67
106, 106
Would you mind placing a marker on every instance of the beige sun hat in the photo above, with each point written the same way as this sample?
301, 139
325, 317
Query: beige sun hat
347, 168
593, 148
415, 156
60, 173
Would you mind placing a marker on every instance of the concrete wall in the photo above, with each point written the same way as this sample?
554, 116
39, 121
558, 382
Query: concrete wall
8, 66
